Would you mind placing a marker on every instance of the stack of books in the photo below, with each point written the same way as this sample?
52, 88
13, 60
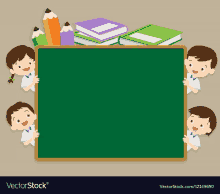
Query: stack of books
99, 31
151, 35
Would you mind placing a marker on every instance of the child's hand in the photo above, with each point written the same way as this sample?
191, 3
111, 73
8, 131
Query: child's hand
186, 139
36, 80
35, 134
186, 82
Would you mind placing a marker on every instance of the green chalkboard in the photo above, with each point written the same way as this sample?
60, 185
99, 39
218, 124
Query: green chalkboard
110, 102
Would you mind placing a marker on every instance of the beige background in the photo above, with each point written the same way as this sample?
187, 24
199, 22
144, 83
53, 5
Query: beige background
199, 21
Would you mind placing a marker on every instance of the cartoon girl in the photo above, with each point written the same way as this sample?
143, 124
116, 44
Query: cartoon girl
21, 61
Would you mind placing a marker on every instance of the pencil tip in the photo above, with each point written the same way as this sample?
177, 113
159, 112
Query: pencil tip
36, 28
67, 24
47, 10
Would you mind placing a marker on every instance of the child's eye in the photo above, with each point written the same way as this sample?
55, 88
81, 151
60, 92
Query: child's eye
28, 115
30, 63
201, 126
203, 69
190, 65
18, 121
19, 66
191, 121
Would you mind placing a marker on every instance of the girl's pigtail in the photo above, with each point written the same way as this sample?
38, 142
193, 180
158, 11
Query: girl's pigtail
11, 80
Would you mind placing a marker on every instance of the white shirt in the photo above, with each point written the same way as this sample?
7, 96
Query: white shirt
193, 139
28, 80
28, 134
194, 82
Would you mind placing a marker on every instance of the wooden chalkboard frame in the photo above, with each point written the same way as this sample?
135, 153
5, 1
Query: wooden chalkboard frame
112, 159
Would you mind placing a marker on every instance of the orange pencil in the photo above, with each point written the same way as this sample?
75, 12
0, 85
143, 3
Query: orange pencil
52, 27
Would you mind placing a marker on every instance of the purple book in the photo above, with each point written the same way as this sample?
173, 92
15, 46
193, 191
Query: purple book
101, 29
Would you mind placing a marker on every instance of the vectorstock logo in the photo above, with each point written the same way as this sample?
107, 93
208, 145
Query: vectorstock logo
29, 185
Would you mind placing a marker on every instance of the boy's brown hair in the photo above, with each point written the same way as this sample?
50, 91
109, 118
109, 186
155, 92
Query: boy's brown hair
203, 53
17, 54
17, 106
204, 112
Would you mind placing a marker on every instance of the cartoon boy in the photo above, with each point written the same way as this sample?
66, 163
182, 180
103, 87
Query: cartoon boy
20, 116
21, 61
200, 62
202, 121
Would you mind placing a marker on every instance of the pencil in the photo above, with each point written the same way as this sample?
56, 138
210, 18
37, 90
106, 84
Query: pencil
52, 27
38, 37
67, 35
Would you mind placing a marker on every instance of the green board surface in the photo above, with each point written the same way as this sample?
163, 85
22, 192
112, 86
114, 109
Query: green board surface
110, 103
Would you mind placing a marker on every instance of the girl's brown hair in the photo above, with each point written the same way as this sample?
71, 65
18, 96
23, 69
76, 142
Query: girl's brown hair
17, 54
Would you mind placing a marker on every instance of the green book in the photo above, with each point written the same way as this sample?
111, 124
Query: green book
83, 39
151, 35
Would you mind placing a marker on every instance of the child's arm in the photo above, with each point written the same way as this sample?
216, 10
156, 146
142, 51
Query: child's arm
35, 80
193, 147
186, 140
35, 135
193, 89
29, 87
29, 141
186, 83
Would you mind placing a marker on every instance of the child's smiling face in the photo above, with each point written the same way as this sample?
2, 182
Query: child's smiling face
197, 125
22, 119
198, 68
23, 67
